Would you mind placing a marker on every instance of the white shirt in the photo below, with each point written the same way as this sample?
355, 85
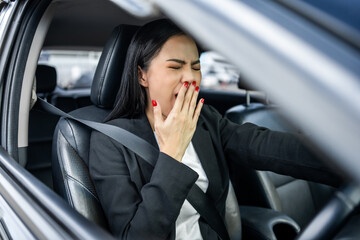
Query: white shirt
187, 223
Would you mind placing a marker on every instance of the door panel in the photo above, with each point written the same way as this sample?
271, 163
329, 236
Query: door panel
30, 210
11, 227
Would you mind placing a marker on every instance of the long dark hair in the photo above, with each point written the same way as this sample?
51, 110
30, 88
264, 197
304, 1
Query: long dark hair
145, 45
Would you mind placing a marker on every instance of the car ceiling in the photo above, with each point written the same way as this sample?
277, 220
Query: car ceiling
85, 24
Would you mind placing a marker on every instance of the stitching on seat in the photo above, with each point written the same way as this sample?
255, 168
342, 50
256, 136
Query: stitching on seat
82, 185
72, 131
66, 175
63, 170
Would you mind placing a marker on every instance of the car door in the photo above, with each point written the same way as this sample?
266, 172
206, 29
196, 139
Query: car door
28, 208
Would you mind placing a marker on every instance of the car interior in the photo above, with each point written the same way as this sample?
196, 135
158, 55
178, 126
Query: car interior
269, 189
55, 150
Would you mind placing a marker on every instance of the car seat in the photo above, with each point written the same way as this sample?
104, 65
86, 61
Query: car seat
41, 127
71, 140
69, 100
46, 79
299, 199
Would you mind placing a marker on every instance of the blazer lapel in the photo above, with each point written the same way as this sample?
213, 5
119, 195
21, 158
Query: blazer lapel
141, 127
204, 148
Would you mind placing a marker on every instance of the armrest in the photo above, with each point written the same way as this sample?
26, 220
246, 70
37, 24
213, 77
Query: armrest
264, 223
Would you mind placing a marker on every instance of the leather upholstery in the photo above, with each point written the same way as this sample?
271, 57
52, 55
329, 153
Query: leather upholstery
110, 66
271, 190
71, 139
40, 142
46, 78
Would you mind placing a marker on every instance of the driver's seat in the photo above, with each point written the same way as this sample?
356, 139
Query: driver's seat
71, 140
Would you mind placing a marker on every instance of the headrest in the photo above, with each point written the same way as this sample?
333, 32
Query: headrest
110, 67
243, 84
45, 79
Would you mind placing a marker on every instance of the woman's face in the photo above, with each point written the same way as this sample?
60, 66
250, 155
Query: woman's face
176, 63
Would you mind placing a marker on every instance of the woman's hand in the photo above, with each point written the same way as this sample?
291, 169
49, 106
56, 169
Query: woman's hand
176, 131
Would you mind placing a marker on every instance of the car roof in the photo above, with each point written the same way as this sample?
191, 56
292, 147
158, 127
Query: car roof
74, 27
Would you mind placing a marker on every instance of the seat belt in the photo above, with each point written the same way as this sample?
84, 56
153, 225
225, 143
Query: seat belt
196, 197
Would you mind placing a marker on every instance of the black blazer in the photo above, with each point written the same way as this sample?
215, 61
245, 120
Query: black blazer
142, 202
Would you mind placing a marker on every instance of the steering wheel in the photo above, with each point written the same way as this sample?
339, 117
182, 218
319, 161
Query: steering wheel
335, 213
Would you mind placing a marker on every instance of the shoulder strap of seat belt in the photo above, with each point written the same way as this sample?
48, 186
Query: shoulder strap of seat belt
196, 197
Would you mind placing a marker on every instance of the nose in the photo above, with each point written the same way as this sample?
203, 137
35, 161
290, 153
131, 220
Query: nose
190, 76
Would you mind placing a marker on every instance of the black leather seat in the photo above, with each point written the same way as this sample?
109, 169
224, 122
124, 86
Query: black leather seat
69, 100
71, 139
46, 79
299, 199
41, 127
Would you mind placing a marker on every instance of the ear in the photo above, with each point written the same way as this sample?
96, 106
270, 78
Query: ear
142, 77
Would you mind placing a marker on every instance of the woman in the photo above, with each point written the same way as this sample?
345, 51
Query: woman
157, 101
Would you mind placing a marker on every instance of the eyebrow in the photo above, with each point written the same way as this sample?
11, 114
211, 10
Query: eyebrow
182, 61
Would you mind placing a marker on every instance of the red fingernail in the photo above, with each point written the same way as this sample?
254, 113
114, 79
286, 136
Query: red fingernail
154, 103
193, 83
197, 88
202, 100
186, 84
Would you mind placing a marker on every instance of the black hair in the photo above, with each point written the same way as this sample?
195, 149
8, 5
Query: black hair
146, 43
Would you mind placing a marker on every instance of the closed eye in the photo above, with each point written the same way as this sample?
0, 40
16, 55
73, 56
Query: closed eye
196, 67
174, 67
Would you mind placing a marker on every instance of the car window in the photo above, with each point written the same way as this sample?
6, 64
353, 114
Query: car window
217, 72
75, 69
